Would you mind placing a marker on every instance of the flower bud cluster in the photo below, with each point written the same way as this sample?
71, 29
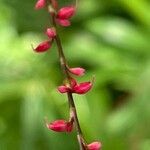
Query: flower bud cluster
62, 17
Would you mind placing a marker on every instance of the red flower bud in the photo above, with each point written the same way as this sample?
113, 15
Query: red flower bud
60, 126
63, 22
77, 71
66, 12
94, 146
51, 32
40, 4
82, 88
42, 47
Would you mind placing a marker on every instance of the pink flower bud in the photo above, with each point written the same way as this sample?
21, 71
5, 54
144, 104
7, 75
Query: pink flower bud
94, 146
42, 47
67, 87
60, 126
63, 89
77, 71
82, 88
63, 22
40, 4
51, 32
66, 12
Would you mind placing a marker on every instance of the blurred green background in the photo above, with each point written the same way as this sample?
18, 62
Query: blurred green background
111, 40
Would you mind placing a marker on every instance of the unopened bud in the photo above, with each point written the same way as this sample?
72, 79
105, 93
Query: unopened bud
40, 4
51, 32
94, 146
82, 88
68, 86
63, 89
42, 47
60, 126
66, 12
77, 71
63, 22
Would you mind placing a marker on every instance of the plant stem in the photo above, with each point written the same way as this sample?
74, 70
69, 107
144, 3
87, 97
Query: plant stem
72, 106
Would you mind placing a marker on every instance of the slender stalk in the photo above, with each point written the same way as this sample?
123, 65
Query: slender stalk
72, 106
70, 97
78, 128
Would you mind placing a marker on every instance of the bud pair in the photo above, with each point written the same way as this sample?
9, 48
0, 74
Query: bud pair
64, 14
44, 46
60, 126
74, 87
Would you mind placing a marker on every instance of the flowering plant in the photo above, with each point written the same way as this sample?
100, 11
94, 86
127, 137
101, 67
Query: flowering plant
62, 17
